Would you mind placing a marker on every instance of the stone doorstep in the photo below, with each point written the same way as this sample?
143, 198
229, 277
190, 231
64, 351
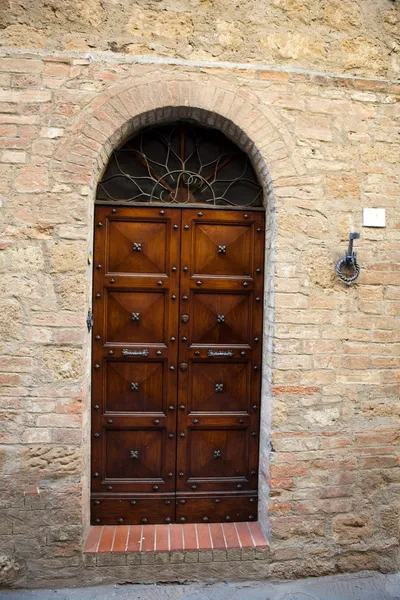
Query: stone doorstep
243, 541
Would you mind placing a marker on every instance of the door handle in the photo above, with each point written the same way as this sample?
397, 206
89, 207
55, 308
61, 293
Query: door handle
185, 318
183, 366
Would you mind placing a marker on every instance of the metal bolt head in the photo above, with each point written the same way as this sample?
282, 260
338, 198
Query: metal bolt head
245, 284
120, 520
156, 421
185, 269
159, 282
97, 520
109, 421
197, 353
144, 520
172, 368
173, 269
181, 474
99, 224
97, 366
97, 502
198, 282
243, 353
195, 421
168, 519
194, 487
182, 519
162, 212
228, 518
172, 339
97, 337
252, 472
217, 501
184, 298
96, 435
258, 299
171, 407
200, 214
170, 435
155, 487
256, 339
205, 518
95, 474
133, 502
96, 407
112, 280
97, 295
114, 210
173, 297
186, 227
175, 226
168, 502
253, 433
251, 517
182, 435
98, 266
246, 216
239, 486
158, 352
182, 407
183, 501
258, 270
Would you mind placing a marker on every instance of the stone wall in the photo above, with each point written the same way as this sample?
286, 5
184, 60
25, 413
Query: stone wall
331, 144
342, 36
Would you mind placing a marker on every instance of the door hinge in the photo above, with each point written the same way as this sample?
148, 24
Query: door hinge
89, 320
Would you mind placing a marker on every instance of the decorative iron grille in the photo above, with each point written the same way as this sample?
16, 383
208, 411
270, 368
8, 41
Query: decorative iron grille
180, 164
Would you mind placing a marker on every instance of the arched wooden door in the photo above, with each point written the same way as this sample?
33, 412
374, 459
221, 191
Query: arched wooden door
176, 363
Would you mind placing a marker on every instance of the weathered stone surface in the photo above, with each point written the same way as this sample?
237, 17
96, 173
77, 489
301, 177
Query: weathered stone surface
341, 37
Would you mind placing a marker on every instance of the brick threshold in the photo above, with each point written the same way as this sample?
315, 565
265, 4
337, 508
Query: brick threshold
190, 537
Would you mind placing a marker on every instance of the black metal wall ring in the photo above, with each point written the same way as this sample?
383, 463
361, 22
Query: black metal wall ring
349, 261
345, 263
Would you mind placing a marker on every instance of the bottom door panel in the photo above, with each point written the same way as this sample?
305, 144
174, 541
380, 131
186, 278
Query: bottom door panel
137, 509
216, 509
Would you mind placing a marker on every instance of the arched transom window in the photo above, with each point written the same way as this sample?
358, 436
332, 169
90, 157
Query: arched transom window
180, 163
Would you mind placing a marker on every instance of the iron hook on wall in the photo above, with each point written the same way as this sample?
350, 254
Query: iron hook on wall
349, 262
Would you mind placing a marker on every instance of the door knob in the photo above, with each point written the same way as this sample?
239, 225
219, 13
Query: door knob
183, 366
185, 318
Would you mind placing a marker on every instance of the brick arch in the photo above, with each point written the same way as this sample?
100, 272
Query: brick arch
125, 109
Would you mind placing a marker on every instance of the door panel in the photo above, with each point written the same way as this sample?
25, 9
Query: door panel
136, 317
134, 384
176, 364
220, 364
134, 454
137, 247
221, 249
219, 319
218, 387
135, 387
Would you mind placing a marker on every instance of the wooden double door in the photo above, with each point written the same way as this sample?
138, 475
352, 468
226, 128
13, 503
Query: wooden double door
176, 364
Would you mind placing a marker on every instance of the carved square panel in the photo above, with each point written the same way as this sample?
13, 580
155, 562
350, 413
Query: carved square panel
149, 328
218, 387
137, 247
217, 453
220, 249
133, 454
208, 326
134, 386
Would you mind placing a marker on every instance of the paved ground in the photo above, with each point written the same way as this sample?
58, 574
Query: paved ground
362, 586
